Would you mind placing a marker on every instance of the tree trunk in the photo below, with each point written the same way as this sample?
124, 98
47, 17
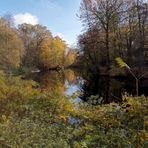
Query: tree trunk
107, 51
137, 87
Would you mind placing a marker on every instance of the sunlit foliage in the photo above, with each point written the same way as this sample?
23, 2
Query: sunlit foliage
43, 51
11, 47
58, 51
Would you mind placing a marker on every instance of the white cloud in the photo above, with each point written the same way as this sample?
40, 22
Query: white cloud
25, 18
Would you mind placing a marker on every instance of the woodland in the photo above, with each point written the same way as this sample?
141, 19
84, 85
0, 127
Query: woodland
36, 112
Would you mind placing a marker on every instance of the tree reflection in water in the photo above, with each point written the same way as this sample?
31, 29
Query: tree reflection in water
92, 86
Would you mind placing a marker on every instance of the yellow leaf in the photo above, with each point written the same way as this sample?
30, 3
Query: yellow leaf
4, 117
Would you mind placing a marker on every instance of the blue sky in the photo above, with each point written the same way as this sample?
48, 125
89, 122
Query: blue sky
58, 15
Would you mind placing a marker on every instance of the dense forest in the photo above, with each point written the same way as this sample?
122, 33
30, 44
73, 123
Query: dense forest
113, 28
32, 47
56, 96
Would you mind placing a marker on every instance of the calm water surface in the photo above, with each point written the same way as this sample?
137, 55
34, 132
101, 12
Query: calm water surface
82, 86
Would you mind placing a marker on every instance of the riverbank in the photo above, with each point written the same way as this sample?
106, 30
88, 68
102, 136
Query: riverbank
34, 118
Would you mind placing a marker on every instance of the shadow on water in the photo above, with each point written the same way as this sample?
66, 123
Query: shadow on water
103, 89
111, 89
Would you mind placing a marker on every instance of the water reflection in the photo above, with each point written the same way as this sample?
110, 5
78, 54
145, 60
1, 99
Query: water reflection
110, 89
69, 82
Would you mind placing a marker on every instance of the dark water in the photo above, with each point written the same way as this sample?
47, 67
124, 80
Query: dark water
83, 86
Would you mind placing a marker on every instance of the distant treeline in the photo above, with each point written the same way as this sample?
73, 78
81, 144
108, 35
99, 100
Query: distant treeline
31, 46
113, 28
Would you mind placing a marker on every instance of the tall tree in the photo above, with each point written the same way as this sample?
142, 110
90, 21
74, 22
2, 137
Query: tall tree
45, 54
58, 51
117, 27
11, 47
33, 37
102, 13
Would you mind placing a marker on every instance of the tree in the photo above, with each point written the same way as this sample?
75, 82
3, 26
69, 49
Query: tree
70, 57
58, 51
90, 43
11, 47
45, 54
33, 36
115, 28
102, 14
42, 50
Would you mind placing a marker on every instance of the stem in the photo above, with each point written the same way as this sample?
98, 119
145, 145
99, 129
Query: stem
132, 73
137, 87
137, 80
143, 75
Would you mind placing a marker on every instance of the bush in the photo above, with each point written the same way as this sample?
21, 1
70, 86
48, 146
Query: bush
32, 118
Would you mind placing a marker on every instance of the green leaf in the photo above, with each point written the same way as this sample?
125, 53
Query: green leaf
121, 63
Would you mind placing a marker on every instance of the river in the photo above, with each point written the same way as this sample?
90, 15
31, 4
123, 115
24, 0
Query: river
82, 86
